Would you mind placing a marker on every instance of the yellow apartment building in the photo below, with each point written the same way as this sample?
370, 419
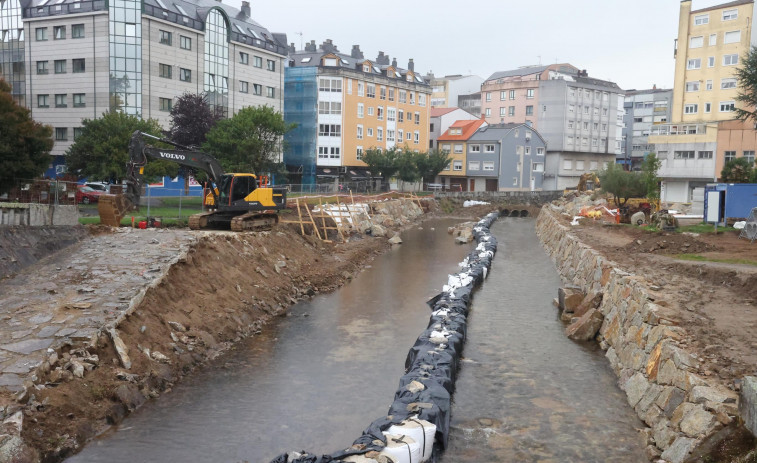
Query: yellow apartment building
710, 46
345, 104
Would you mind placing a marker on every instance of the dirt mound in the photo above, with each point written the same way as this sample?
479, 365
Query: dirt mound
668, 243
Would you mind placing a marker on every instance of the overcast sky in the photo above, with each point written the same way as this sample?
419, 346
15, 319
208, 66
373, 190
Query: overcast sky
629, 42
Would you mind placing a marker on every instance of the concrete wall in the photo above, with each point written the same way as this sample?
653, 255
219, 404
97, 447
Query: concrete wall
21, 247
511, 197
657, 374
37, 215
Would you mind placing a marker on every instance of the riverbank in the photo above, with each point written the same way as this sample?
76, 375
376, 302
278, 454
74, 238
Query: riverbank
670, 335
149, 307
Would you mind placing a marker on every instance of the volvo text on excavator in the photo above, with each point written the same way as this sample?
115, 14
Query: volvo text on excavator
236, 201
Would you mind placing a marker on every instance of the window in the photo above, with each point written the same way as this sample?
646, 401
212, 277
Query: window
528, 150
502, 111
695, 63
417, 118
166, 104
359, 153
77, 31
728, 83
360, 110
165, 37
416, 137
77, 132
244, 58
458, 148
512, 94
530, 93
329, 130
60, 100
711, 62
370, 110
408, 135
328, 152
474, 165
445, 148
403, 96
330, 85
360, 89
369, 131
708, 85
511, 110
391, 94
185, 75
540, 151
690, 108
571, 108
412, 98
567, 164
705, 155
732, 37
730, 60
257, 61
488, 112
60, 66
474, 148
401, 118
61, 134
488, 165
164, 70
59, 32
359, 132
41, 33
457, 165
502, 95
43, 101
41, 67
370, 91
692, 86
257, 89
488, 96
488, 148
391, 114
749, 156
185, 42
379, 134
400, 135
349, 86
696, 42
586, 109
78, 65
708, 107
683, 155
271, 65
701, 19
579, 165
382, 93
529, 110
79, 101
270, 92
729, 156
586, 126
713, 39
730, 15
380, 113
243, 86
727, 106
593, 142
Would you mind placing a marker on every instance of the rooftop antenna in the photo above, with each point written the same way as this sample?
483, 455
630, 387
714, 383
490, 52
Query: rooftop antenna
300, 34
539, 56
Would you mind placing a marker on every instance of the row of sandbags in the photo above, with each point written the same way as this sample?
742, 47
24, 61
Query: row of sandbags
419, 419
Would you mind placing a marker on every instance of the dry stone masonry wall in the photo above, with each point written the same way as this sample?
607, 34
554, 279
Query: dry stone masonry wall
641, 341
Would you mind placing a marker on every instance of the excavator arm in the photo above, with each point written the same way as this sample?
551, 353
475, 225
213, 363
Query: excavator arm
139, 151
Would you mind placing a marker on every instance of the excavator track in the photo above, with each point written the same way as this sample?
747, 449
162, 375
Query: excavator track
199, 221
254, 221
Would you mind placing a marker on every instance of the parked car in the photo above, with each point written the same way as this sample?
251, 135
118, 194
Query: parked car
86, 195
102, 187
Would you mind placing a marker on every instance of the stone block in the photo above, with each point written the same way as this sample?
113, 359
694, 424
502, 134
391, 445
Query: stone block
652, 415
636, 387
590, 301
669, 399
687, 380
649, 398
748, 403
697, 421
586, 327
668, 374
702, 394
679, 450
653, 363
570, 298
663, 435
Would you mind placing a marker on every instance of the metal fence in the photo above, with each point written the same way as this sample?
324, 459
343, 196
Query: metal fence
42, 192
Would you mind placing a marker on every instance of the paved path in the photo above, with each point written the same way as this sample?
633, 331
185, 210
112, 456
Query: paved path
73, 293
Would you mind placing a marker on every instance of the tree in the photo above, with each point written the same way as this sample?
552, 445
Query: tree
407, 166
649, 169
192, 118
620, 184
738, 170
101, 150
24, 143
382, 163
431, 163
248, 142
747, 81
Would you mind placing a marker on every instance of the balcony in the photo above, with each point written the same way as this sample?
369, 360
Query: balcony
679, 129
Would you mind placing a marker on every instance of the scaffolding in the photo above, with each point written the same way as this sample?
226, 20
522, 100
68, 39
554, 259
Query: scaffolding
301, 108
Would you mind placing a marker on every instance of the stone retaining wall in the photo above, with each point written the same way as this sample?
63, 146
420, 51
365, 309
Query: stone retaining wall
24, 246
641, 341
510, 197
38, 215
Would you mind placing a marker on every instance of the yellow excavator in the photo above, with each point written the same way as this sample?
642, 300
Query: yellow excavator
236, 201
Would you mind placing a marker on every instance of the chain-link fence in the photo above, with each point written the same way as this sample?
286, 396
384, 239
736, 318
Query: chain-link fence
41, 191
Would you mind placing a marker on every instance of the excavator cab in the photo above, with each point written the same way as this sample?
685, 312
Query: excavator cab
235, 187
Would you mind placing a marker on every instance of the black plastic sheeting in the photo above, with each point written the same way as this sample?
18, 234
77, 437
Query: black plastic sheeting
433, 361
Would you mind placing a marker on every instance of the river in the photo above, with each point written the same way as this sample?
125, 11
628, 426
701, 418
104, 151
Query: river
315, 379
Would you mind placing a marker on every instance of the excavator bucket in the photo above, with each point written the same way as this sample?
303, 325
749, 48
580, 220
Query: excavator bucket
113, 208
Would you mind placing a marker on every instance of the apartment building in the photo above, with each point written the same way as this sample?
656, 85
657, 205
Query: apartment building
344, 104
442, 119
445, 91
454, 141
83, 58
470, 103
710, 45
579, 117
643, 109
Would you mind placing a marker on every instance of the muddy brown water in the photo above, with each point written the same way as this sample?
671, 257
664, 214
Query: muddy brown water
315, 379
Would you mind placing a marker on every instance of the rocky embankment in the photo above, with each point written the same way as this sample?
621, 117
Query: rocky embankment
102, 327
643, 343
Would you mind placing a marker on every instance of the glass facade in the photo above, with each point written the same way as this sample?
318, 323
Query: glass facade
301, 108
12, 64
125, 31
217, 60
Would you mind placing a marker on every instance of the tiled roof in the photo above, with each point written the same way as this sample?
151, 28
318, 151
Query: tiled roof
469, 128
437, 112
724, 5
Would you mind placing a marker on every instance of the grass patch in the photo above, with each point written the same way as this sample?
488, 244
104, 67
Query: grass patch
703, 228
700, 258
185, 201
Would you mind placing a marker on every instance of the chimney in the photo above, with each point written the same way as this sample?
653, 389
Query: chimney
411, 65
310, 46
356, 53
328, 46
291, 48
382, 58
394, 62
654, 86
246, 8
